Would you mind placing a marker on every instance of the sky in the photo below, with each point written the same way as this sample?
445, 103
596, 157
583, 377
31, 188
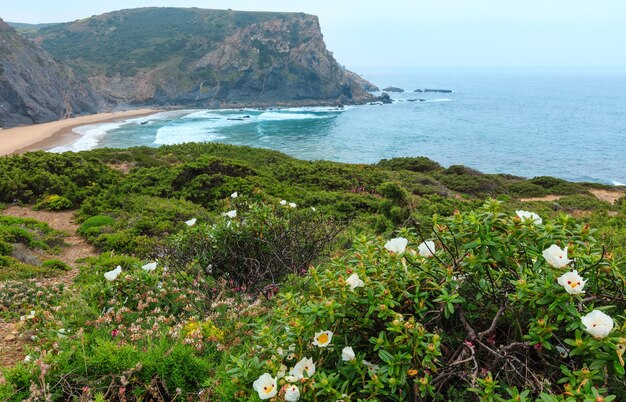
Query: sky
418, 33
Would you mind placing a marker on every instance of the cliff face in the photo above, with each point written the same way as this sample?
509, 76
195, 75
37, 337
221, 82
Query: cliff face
35, 88
204, 58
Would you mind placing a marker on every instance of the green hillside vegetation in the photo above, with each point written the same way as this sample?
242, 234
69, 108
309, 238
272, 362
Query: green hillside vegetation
250, 287
191, 56
145, 37
28, 30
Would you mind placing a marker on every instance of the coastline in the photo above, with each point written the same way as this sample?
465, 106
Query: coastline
45, 136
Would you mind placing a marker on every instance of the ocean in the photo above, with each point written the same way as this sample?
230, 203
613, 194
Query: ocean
527, 122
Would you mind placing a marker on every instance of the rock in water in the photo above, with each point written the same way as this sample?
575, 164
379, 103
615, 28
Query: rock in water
384, 98
445, 91
223, 58
35, 88
393, 89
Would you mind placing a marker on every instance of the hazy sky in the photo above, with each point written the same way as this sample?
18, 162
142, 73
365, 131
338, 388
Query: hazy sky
413, 33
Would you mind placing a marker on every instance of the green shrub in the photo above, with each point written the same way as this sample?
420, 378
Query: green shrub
483, 319
557, 186
259, 246
54, 203
5, 248
415, 164
582, 202
95, 222
55, 265
527, 189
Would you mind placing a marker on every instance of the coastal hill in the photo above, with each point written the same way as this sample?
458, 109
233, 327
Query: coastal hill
204, 58
35, 88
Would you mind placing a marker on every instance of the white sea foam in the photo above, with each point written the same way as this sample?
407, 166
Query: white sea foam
273, 116
617, 183
316, 109
91, 136
439, 100
193, 131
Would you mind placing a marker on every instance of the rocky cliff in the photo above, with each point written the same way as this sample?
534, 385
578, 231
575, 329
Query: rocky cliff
35, 88
205, 58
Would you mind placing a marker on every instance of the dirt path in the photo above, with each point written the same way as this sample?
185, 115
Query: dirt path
11, 344
609, 196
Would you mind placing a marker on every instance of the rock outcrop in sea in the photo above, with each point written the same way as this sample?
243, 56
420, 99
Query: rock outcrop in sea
393, 89
36, 88
205, 58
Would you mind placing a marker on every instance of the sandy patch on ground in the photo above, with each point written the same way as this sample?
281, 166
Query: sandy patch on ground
609, 196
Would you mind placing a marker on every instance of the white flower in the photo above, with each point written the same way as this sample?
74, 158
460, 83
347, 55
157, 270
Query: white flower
283, 202
292, 394
231, 214
112, 275
372, 368
265, 385
397, 245
28, 358
234, 195
347, 354
597, 323
556, 257
149, 267
28, 317
529, 216
427, 248
322, 338
572, 282
355, 282
313, 209
293, 204
306, 365
191, 222
282, 371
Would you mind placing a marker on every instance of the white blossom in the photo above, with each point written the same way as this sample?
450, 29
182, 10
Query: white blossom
191, 222
572, 282
113, 274
265, 385
529, 216
306, 365
355, 282
322, 338
347, 354
292, 394
556, 257
397, 245
427, 248
597, 323
231, 214
149, 267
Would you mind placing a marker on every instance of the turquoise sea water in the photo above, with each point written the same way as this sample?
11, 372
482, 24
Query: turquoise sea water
568, 124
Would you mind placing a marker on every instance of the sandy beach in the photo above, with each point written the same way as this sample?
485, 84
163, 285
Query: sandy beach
49, 135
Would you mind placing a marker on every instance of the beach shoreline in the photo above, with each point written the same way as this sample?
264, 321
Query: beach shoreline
46, 136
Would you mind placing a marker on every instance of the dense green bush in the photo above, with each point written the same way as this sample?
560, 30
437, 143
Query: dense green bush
527, 189
5, 248
94, 224
253, 244
30, 177
55, 264
416, 164
54, 203
484, 318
